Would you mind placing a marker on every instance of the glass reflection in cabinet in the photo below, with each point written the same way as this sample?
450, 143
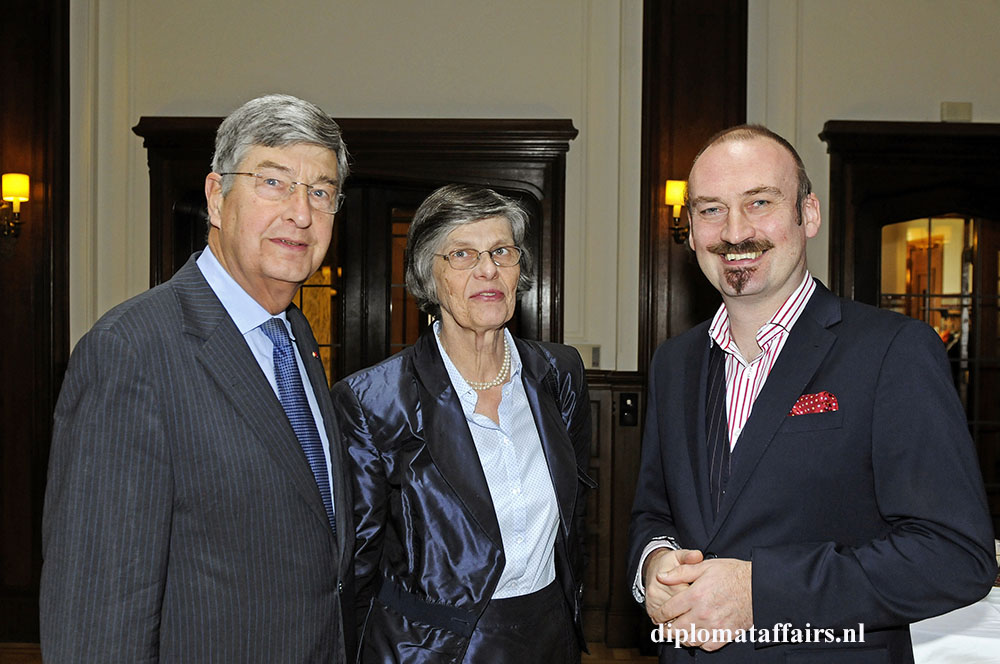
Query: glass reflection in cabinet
406, 321
945, 271
318, 300
927, 274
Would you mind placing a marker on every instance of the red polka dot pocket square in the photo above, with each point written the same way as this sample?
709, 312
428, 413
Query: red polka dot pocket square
821, 402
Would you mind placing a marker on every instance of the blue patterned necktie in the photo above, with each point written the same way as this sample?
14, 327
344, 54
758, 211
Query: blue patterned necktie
293, 400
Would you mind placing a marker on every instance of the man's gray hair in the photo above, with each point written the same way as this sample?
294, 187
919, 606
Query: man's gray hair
442, 212
275, 121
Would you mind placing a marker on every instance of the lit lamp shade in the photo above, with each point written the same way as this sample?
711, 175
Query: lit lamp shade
15, 189
674, 193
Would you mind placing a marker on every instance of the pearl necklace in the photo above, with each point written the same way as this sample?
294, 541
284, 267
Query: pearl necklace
501, 377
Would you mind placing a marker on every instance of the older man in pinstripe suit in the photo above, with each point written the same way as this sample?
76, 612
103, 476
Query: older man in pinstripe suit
195, 510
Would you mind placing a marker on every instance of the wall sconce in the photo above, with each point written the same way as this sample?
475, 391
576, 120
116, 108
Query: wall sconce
673, 194
15, 188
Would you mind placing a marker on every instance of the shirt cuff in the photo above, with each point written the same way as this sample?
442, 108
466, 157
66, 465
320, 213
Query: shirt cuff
638, 589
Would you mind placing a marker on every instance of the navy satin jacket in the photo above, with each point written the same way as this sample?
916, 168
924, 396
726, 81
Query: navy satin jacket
429, 553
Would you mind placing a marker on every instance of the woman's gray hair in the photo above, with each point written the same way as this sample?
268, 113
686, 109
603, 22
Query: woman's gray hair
275, 121
442, 212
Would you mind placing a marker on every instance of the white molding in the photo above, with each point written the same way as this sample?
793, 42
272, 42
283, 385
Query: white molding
82, 211
629, 175
575, 226
594, 287
109, 227
773, 65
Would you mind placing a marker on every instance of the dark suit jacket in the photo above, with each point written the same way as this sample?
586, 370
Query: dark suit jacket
182, 522
426, 527
873, 514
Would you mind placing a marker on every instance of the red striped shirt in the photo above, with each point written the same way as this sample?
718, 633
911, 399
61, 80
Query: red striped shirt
745, 380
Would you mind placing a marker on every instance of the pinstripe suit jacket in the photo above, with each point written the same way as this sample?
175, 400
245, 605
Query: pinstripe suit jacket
182, 522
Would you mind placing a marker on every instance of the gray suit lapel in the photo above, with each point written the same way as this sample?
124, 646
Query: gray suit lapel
552, 432
226, 357
447, 437
806, 348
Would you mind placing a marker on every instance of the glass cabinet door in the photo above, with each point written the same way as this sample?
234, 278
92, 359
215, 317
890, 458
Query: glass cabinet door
945, 271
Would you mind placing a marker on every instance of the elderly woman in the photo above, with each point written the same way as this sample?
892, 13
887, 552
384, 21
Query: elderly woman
469, 452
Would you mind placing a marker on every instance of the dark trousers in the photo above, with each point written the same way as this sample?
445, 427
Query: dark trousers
530, 629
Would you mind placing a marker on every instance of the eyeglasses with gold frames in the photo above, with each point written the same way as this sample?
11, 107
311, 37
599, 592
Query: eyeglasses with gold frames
322, 197
466, 259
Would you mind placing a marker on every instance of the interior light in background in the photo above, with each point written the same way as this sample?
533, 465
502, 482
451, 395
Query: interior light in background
674, 193
15, 188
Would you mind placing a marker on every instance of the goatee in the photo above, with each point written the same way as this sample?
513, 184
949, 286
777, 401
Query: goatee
738, 277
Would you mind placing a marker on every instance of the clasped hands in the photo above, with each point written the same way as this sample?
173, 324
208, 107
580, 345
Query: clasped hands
694, 596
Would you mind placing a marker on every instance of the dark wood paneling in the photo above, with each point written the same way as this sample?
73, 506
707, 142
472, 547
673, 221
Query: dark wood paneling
20, 653
597, 583
693, 85
34, 38
611, 615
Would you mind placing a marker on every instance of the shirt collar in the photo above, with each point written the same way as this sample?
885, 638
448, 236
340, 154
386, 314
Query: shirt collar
458, 382
245, 311
781, 322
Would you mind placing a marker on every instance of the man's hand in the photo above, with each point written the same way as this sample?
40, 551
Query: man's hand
658, 564
717, 596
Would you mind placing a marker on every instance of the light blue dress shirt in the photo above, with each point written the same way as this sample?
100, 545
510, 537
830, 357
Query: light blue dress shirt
248, 316
517, 474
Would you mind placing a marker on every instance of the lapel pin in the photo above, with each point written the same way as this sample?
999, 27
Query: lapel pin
315, 354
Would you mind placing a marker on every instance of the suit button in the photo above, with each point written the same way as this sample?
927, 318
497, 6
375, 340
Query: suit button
340, 587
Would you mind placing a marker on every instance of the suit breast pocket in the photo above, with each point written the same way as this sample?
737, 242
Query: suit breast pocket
812, 422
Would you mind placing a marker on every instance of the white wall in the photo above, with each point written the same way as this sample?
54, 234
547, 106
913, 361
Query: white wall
810, 61
576, 59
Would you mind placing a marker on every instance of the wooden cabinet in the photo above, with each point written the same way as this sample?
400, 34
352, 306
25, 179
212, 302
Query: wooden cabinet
883, 173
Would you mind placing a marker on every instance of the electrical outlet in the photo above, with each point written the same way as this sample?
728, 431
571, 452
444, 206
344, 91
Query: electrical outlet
628, 409
590, 354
